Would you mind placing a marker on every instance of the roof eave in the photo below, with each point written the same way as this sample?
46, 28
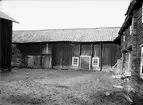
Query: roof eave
127, 19
6, 17
135, 4
131, 6
12, 20
15, 21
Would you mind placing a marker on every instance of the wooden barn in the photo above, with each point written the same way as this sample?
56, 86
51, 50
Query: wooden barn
86, 49
131, 38
5, 41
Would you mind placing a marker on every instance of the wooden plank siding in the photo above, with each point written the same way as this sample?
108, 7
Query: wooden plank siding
76, 50
36, 55
131, 51
109, 56
138, 83
62, 55
5, 45
128, 39
86, 49
59, 55
97, 53
0, 44
109, 52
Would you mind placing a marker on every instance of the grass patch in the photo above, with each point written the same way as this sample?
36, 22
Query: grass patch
115, 98
24, 99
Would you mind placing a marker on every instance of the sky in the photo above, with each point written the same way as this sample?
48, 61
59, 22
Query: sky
65, 14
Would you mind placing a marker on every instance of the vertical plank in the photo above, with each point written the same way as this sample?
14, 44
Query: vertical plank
9, 49
86, 49
0, 44
79, 55
106, 56
62, 54
114, 54
111, 54
101, 56
91, 56
79, 49
41, 61
51, 55
75, 50
91, 51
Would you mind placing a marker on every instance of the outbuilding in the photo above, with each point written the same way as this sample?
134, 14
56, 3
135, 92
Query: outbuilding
5, 41
86, 49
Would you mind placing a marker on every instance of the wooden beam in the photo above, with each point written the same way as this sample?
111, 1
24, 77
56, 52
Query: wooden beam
111, 55
9, 41
0, 45
101, 56
91, 55
41, 61
79, 49
51, 46
92, 50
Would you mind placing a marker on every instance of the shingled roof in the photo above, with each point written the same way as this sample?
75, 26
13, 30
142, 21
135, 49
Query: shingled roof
5, 16
70, 35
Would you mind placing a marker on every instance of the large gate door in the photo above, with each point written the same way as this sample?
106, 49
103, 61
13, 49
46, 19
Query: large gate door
62, 55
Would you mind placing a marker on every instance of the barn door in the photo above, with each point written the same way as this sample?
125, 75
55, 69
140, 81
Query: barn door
62, 55
67, 55
106, 57
30, 62
57, 55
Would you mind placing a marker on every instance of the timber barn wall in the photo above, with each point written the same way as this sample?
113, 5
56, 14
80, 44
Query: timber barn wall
137, 81
36, 55
131, 51
59, 55
5, 44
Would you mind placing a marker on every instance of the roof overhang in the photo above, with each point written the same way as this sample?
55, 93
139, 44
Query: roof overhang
134, 5
6, 17
131, 6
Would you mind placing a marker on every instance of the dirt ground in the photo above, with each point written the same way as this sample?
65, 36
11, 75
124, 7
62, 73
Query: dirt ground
59, 87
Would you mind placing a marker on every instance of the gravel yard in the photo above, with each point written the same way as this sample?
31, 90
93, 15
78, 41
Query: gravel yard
59, 87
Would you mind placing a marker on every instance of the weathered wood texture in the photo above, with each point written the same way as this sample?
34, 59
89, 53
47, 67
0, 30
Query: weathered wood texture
62, 55
128, 39
86, 49
34, 48
97, 53
59, 55
96, 50
36, 55
5, 45
46, 61
134, 40
109, 56
137, 81
75, 50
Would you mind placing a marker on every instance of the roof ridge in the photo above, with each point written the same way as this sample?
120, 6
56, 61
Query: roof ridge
68, 29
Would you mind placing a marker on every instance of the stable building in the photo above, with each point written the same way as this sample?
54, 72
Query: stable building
5, 41
79, 49
131, 41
